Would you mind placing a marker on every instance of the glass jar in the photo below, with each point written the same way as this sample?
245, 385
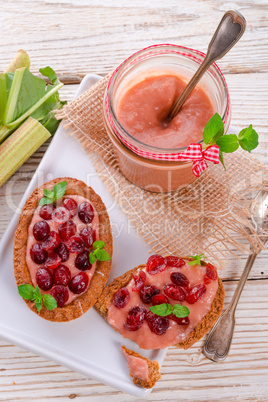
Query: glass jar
152, 174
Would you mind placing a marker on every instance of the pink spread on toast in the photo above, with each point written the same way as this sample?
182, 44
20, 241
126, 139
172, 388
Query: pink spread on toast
138, 368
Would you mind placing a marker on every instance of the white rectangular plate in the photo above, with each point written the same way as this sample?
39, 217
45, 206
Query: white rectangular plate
87, 345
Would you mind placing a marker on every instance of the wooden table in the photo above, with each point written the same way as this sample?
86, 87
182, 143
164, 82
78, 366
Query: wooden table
80, 37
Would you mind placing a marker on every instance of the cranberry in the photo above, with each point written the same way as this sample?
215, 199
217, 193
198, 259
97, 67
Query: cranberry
78, 283
88, 235
139, 280
61, 275
61, 215
147, 292
195, 293
82, 261
61, 294
211, 274
156, 264
44, 278
67, 230
121, 298
46, 211
70, 204
38, 254
175, 261
158, 325
53, 261
75, 244
86, 212
178, 320
179, 279
52, 241
135, 318
175, 292
62, 251
40, 230
159, 299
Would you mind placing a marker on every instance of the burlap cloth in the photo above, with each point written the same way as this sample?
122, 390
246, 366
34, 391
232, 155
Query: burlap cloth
210, 215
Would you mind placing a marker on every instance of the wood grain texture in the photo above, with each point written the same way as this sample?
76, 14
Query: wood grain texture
80, 37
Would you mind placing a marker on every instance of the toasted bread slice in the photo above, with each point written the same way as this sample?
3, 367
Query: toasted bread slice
82, 303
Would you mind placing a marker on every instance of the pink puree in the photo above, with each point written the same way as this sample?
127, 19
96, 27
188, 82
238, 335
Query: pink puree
175, 333
143, 110
70, 262
138, 367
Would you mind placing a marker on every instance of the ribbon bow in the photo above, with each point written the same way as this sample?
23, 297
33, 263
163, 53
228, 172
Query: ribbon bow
199, 156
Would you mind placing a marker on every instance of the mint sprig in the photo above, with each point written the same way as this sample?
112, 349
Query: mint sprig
98, 252
196, 259
165, 309
28, 292
57, 192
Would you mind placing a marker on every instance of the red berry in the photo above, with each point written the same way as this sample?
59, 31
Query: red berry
61, 294
195, 293
46, 211
82, 261
175, 261
159, 299
70, 204
147, 292
86, 212
40, 230
179, 279
75, 244
38, 255
52, 241
67, 230
180, 321
121, 298
53, 261
135, 318
61, 215
78, 283
44, 278
139, 280
62, 251
61, 275
88, 235
211, 274
156, 264
175, 292
158, 325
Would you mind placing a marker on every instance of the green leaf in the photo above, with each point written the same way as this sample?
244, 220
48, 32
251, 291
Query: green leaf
248, 138
213, 130
37, 293
228, 143
49, 302
196, 259
26, 291
59, 190
92, 258
45, 201
48, 193
98, 244
180, 311
221, 159
161, 309
102, 255
38, 304
49, 73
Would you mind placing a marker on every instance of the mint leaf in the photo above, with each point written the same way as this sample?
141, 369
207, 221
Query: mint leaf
98, 244
38, 304
48, 193
26, 291
213, 130
50, 73
161, 309
228, 143
221, 159
197, 259
180, 311
92, 258
102, 255
37, 293
49, 302
45, 201
248, 138
59, 190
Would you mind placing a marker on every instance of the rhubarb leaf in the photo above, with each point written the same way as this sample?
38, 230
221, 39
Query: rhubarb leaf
50, 73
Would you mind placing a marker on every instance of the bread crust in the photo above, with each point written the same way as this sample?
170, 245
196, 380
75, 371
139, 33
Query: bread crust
82, 303
153, 368
198, 332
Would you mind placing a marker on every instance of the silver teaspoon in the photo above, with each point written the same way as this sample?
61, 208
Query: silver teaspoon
229, 31
219, 340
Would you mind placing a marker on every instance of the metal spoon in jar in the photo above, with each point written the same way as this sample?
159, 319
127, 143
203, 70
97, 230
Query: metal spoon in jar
229, 31
219, 340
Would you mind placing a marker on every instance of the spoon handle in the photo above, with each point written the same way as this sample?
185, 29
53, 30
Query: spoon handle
219, 340
229, 31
